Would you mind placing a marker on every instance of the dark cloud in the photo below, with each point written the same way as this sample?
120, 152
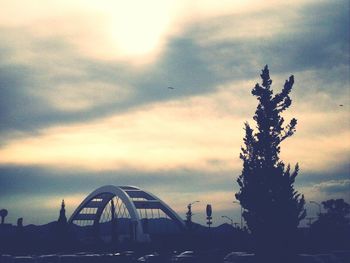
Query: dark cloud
16, 105
310, 178
180, 67
24, 180
19, 180
335, 187
32, 183
21, 185
319, 40
333, 183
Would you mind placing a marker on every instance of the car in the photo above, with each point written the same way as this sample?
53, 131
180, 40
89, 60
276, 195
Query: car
154, 258
186, 256
48, 259
24, 259
239, 257
125, 257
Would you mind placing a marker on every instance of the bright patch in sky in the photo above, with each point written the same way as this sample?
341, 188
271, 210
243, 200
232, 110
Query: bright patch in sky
84, 97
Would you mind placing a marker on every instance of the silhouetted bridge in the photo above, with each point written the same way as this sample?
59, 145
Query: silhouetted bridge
126, 213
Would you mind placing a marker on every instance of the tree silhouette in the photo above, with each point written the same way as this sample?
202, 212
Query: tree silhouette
337, 210
332, 229
272, 207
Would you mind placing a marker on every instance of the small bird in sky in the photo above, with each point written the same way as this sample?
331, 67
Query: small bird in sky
171, 88
341, 105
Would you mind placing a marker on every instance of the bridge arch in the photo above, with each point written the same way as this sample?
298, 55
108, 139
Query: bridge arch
128, 202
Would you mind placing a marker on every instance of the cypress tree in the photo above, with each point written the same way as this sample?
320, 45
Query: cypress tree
272, 208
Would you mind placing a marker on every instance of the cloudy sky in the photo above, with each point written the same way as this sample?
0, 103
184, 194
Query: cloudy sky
84, 98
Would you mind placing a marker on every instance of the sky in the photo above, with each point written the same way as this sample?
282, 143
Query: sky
84, 99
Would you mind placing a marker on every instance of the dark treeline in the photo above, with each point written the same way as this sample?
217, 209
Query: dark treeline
329, 232
69, 238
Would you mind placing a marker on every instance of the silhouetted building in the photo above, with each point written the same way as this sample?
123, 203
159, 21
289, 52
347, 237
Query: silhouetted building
62, 218
20, 222
3, 214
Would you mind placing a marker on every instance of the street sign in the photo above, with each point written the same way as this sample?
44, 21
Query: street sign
209, 210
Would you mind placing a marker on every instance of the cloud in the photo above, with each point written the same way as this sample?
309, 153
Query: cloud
188, 133
43, 188
46, 80
22, 180
122, 30
19, 189
334, 186
63, 88
75, 103
308, 37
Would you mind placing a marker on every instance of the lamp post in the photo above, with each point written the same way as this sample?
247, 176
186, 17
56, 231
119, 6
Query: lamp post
319, 206
229, 218
236, 202
189, 212
190, 204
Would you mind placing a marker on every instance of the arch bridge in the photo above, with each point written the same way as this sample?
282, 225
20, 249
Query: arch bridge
127, 212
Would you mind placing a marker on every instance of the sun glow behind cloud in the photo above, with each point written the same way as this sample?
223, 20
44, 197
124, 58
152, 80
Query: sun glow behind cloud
100, 71
134, 31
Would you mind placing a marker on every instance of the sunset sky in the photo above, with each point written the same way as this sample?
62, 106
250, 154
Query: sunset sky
84, 98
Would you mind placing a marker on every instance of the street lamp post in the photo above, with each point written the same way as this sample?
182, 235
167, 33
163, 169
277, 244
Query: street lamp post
319, 206
190, 204
189, 212
229, 218
236, 202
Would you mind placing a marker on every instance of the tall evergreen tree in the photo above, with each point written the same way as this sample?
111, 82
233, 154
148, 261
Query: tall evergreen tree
272, 207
